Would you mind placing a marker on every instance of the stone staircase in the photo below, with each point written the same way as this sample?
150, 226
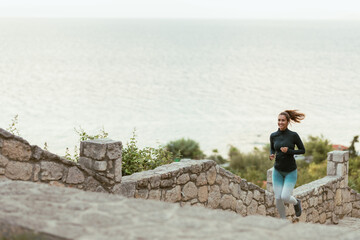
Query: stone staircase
350, 222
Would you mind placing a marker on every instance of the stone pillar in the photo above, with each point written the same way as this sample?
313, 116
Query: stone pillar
338, 164
102, 156
269, 183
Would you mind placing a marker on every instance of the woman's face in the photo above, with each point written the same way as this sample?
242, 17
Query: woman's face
282, 122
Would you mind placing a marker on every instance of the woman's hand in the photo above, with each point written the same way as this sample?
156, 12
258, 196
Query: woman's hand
284, 149
271, 157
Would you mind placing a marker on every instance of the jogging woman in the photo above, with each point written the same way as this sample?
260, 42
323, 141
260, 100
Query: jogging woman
282, 149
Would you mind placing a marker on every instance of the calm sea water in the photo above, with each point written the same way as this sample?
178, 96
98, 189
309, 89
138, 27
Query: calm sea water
217, 82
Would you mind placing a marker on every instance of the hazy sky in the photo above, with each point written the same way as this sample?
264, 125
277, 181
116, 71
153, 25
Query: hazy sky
283, 9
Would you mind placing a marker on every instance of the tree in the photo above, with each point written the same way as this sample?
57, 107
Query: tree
317, 148
352, 150
185, 148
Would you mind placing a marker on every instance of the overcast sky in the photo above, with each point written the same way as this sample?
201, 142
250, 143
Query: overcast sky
258, 9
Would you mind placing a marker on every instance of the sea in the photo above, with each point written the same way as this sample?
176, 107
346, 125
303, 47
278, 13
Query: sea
221, 83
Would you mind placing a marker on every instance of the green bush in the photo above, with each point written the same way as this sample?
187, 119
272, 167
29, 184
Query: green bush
217, 157
185, 148
137, 160
317, 148
252, 166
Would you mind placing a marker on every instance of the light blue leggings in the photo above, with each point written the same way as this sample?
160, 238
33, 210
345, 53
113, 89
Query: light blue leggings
283, 184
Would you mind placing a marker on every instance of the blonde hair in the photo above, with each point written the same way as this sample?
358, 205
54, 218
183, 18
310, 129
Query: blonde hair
293, 115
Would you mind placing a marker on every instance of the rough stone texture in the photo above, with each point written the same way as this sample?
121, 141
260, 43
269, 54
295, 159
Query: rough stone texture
16, 150
211, 175
75, 176
173, 195
190, 191
184, 178
51, 171
93, 149
3, 161
64, 213
188, 182
19, 170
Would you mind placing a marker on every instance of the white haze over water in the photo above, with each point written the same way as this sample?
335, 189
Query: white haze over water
218, 82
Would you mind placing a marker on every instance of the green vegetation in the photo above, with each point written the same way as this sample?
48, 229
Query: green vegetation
354, 166
317, 148
217, 157
252, 166
185, 148
13, 126
137, 160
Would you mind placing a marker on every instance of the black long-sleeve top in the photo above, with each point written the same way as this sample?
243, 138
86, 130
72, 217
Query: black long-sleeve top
285, 161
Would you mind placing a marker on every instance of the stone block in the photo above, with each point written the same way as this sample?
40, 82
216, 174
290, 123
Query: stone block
261, 210
228, 202
118, 170
224, 188
2, 171
347, 208
16, 150
193, 177
183, 178
94, 149
257, 195
173, 195
218, 179
331, 168
249, 198
252, 208
189, 191
203, 194
99, 165
211, 175
235, 190
114, 150
196, 168
155, 181
37, 153
19, 170
201, 180
340, 169
75, 176
240, 208
339, 156
214, 197
322, 218
86, 162
338, 197
142, 183
36, 172
126, 188
269, 175
3, 161
269, 200
51, 171
155, 194
166, 183
142, 193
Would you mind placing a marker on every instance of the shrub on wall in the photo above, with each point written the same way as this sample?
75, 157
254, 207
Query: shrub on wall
135, 159
185, 148
317, 147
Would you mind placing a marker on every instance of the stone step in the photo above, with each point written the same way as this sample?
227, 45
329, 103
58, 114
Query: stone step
350, 222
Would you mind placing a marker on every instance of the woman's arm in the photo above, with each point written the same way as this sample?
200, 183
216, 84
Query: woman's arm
299, 144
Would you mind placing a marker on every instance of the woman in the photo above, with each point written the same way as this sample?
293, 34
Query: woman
282, 144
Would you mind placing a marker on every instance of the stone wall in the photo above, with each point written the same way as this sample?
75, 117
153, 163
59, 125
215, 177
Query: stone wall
198, 183
189, 182
99, 171
328, 199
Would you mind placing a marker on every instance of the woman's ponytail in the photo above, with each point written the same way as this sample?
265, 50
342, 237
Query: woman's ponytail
293, 115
